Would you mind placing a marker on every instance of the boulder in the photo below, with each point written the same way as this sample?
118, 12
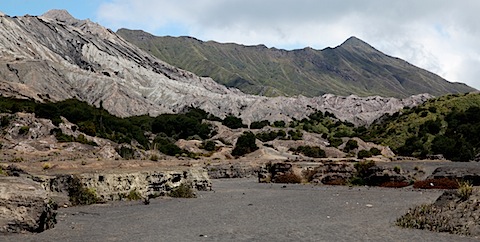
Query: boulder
24, 206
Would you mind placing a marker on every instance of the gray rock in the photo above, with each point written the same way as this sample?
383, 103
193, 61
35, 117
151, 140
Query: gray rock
24, 206
231, 171
471, 174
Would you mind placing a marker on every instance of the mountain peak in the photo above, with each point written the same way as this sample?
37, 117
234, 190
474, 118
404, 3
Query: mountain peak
354, 42
60, 15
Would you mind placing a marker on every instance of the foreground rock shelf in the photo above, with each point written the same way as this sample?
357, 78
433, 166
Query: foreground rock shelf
24, 206
28, 202
110, 186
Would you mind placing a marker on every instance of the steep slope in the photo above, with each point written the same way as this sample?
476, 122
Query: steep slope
351, 68
56, 57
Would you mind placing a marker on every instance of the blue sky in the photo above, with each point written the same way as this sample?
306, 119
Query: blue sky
441, 36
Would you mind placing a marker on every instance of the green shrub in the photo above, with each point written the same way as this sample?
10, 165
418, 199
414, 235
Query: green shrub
375, 151
465, 190
269, 136
23, 130
335, 142
259, 124
295, 134
125, 152
364, 154
279, 124
245, 144
79, 194
363, 171
233, 122
183, 191
134, 195
350, 145
208, 145
166, 146
311, 151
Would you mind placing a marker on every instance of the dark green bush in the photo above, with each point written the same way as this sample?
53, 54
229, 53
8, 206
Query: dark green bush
259, 124
23, 130
233, 122
166, 146
350, 145
208, 145
335, 142
269, 136
245, 144
279, 124
364, 154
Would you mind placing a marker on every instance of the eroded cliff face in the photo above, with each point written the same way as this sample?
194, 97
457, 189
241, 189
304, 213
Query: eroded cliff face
116, 185
55, 57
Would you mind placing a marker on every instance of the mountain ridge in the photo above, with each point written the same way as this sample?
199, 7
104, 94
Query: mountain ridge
354, 67
53, 57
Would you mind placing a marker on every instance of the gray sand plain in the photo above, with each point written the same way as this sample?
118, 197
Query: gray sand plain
244, 210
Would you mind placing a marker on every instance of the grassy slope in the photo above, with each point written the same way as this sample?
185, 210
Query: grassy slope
352, 68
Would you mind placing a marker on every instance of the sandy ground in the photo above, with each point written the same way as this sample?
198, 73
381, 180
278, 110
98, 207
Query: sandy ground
244, 210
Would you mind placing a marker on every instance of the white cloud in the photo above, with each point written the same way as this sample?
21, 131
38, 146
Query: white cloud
438, 35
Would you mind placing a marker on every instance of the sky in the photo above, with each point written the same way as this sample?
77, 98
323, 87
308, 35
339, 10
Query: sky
442, 36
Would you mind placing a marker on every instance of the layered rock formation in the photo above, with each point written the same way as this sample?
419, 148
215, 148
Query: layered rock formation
24, 206
55, 57
116, 185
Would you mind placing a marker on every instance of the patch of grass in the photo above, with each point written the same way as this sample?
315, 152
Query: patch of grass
16, 160
183, 191
465, 190
154, 157
23, 130
46, 166
418, 218
134, 195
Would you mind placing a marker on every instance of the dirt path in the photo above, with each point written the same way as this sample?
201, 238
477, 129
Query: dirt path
243, 210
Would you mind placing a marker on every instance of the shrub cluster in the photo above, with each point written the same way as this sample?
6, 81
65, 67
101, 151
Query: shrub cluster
245, 144
79, 194
272, 135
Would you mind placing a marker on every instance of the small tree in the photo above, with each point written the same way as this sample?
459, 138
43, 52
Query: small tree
233, 122
350, 145
245, 144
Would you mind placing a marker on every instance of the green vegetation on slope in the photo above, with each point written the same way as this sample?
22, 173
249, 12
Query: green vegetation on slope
98, 122
449, 125
352, 68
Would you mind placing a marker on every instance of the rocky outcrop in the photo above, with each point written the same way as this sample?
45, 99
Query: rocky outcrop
56, 57
218, 171
24, 206
334, 172
471, 174
112, 186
